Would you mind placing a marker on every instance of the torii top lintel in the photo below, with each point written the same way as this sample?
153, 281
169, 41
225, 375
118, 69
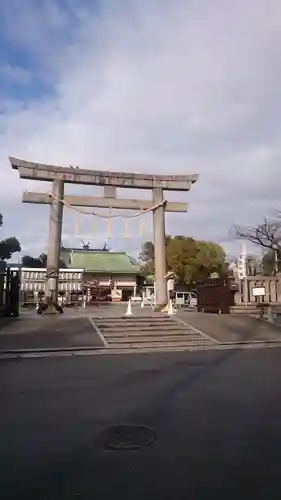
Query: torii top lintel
42, 172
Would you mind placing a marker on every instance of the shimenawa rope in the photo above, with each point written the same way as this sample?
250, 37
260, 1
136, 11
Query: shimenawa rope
107, 216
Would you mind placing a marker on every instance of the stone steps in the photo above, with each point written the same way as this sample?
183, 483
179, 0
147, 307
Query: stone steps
150, 334
160, 345
155, 332
151, 340
250, 309
144, 328
134, 320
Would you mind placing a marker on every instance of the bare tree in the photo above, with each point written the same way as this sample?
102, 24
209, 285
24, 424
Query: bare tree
266, 235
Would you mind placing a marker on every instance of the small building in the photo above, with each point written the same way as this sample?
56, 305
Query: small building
100, 274
104, 272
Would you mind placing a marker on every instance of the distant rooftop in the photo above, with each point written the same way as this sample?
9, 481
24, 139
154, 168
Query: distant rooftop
82, 250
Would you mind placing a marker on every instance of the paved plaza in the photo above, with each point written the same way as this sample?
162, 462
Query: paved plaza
105, 328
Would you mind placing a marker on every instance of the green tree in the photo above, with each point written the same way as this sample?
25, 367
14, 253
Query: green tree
8, 246
189, 259
147, 257
181, 252
209, 258
40, 261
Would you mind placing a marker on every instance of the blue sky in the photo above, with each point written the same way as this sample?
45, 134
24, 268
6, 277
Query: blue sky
144, 85
26, 70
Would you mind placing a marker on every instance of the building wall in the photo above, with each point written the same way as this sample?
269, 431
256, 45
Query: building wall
33, 280
110, 281
71, 281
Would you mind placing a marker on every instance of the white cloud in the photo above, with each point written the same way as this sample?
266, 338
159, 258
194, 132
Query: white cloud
159, 86
14, 74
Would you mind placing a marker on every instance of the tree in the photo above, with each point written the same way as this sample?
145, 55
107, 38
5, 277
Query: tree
181, 254
267, 236
270, 262
147, 256
8, 246
210, 258
40, 261
189, 259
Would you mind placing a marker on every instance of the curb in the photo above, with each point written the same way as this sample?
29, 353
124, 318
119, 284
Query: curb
50, 350
89, 351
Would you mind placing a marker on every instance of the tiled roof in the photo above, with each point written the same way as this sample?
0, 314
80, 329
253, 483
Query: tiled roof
103, 262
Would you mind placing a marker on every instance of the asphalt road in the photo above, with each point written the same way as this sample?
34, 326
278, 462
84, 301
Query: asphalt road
217, 417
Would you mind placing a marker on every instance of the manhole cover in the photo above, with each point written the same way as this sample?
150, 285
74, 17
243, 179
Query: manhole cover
127, 437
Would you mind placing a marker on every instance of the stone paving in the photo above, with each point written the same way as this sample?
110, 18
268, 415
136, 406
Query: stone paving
105, 327
231, 327
31, 331
215, 414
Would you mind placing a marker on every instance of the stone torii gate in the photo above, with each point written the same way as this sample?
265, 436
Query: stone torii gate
58, 176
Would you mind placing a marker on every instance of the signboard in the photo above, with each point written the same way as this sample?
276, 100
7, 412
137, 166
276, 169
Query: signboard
258, 291
116, 295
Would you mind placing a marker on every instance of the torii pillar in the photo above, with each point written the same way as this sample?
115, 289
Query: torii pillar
54, 246
160, 258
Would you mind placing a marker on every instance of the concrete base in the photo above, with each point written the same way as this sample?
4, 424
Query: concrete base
51, 309
161, 307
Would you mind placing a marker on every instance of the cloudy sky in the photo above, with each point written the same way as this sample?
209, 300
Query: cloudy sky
159, 86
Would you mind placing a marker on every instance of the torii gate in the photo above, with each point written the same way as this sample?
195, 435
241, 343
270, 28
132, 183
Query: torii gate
58, 176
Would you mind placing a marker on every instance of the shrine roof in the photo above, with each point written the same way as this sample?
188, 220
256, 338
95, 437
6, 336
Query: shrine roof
102, 262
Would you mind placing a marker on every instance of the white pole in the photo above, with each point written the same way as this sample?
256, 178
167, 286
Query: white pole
246, 287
